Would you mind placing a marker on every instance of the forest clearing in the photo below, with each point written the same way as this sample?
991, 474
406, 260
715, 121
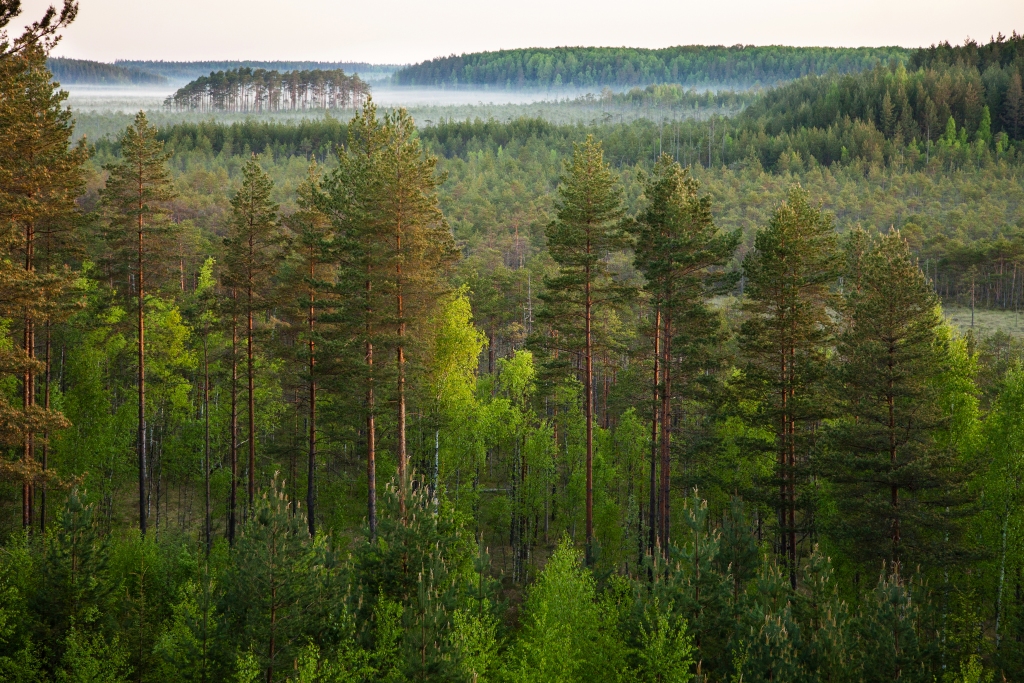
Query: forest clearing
698, 363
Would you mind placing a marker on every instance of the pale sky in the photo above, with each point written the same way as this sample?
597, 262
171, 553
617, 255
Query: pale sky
403, 31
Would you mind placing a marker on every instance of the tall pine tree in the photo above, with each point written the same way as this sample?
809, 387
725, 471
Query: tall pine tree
41, 176
314, 277
420, 245
678, 249
789, 288
588, 227
138, 235
254, 249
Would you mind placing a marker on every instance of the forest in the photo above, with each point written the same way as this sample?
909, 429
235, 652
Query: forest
691, 65
188, 71
369, 399
83, 71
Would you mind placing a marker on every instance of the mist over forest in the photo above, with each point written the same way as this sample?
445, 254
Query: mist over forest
570, 364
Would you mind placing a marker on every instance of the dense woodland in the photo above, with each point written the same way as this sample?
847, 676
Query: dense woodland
249, 90
189, 71
648, 401
690, 65
83, 71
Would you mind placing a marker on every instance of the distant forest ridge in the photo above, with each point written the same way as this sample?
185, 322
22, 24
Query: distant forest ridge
692, 65
188, 71
86, 72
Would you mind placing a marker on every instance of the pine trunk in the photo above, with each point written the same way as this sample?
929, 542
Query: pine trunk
206, 441
46, 437
252, 407
666, 435
402, 455
142, 379
310, 483
28, 385
588, 410
233, 505
371, 429
655, 409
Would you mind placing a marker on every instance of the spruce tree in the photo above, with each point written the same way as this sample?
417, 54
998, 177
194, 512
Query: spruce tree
138, 236
679, 250
254, 249
789, 279
898, 489
586, 230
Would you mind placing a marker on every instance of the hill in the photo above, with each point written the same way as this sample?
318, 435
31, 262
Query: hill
87, 72
739, 65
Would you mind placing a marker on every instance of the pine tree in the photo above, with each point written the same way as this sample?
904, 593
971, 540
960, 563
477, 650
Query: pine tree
898, 489
254, 249
138, 235
789, 278
587, 228
316, 271
348, 197
41, 176
420, 244
679, 249
393, 245
266, 588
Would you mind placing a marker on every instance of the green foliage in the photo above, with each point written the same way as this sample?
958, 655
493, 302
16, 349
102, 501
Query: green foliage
891, 474
785, 357
688, 65
565, 628
83, 71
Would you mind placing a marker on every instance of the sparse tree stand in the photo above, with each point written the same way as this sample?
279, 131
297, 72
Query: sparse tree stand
586, 229
789, 278
253, 252
137, 228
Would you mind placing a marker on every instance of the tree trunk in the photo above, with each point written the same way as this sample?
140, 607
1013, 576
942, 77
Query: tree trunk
371, 430
206, 439
400, 427
46, 437
28, 386
252, 406
655, 408
233, 505
310, 488
666, 424
1002, 575
142, 381
792, 469
895, 492
588, 410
